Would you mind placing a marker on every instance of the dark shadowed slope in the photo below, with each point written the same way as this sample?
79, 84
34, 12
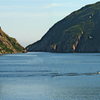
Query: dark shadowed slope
78, 32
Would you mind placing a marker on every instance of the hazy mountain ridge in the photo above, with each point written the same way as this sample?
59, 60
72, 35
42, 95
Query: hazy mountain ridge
9, 44
78, 32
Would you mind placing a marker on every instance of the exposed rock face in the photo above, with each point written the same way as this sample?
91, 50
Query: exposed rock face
78, 32
9, 44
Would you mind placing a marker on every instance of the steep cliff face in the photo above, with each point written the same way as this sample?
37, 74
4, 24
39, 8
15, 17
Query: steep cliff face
9, 44
78, 32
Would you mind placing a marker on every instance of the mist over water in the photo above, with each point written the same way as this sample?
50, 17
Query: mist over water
50, 76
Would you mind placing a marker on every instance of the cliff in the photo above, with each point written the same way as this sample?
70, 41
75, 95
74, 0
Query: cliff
77, 32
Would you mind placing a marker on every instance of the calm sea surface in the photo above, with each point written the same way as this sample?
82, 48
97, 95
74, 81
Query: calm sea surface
50, 76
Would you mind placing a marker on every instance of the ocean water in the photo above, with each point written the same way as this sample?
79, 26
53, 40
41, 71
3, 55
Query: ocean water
50, 76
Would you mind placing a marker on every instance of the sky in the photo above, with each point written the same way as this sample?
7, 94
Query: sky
29, 20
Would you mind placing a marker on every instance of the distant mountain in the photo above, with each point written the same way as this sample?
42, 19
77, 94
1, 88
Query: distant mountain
9, 44
78, 32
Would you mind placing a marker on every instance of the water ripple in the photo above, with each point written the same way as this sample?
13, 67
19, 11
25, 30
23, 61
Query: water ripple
42, 73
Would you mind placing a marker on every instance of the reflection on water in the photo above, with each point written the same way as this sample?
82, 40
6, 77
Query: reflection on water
47, 76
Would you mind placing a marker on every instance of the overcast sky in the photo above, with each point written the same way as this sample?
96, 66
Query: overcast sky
29, 20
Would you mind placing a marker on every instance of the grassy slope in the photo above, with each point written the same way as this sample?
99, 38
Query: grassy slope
9, 44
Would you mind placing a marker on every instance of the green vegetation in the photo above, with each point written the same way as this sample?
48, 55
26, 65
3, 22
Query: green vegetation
78, 32
9, 44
